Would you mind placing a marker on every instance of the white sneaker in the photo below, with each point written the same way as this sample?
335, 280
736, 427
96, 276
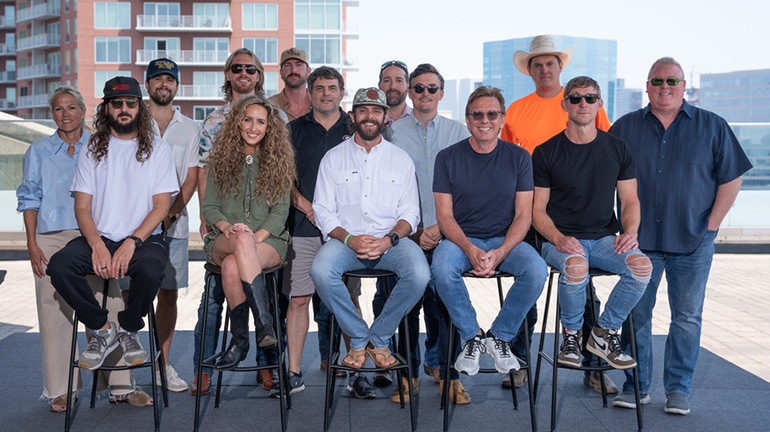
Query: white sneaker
468, 360
173, 381
500, 351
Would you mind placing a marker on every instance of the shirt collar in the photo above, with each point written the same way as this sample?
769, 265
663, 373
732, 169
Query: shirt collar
686, 108
59, 144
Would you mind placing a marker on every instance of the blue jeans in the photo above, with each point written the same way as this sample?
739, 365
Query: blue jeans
450, 262
600, 254
406, 260
686, 275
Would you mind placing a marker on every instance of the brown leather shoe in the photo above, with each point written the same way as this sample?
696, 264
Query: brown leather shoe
457, 393
519, 377
340, 373
266, 378
593, 382
205, 384
434, 373
415, 388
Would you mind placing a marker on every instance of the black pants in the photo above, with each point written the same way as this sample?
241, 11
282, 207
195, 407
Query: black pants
69, 267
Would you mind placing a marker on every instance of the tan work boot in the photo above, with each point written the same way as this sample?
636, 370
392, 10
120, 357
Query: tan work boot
519, 377
415, 388
457, 393
594, 383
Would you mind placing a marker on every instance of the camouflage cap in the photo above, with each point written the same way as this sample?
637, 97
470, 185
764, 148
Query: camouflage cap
370, 96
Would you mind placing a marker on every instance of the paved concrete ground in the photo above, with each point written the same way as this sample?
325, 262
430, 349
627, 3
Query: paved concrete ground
732, 382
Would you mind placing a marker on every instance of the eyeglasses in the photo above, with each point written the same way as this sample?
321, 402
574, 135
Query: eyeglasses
590, 98
479, 115
249, 68
671, 81
397, 63
117, 103
419, 88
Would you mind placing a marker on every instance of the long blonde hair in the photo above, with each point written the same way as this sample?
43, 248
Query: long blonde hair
277, 171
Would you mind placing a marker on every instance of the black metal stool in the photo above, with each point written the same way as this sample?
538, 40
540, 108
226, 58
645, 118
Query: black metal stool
154, 362
450, 361
334, 353
213, 271
600, 367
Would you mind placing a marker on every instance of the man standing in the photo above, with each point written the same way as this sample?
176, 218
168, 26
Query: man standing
122, 186
577, 174
313, 135
294, 99
529, 122
393, 81
422, 135
689, 166
181, 132
366, 205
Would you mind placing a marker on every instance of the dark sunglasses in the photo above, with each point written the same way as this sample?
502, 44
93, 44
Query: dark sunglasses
117, 103
237, 68
590, 98
397, 63
479, 115
671, 81
419, 88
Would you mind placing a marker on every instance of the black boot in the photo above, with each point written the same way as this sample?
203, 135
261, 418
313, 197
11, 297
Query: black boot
239, 345
256, 293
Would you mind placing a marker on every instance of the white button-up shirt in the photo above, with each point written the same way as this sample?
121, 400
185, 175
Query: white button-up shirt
365, 193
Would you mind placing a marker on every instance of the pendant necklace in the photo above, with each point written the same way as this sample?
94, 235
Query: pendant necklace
249, 159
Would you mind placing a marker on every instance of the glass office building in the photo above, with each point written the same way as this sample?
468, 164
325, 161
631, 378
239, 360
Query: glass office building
742, 96
596, 58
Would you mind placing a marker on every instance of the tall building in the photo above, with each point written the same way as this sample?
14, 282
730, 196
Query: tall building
85, 43
456, 92
628, 99
742, 96
596, 58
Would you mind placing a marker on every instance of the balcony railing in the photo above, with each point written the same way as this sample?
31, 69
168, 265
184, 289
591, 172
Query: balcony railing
6, 104
39, 11
7, 21
43, 70
202, 23
7, 49
196, 92
42, 40
184, 57
34, 101
7, 76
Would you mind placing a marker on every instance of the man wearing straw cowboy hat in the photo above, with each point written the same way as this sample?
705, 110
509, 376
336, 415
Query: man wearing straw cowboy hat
531, 121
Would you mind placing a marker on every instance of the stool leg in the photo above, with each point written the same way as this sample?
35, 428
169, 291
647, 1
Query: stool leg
532, 413
161, 362
224, 347
449, 364
632, 340
68, 411
556, 337
282, 375
541, 344
206, 288
501, 298
330, 372
591, 296
154, 360
95, 373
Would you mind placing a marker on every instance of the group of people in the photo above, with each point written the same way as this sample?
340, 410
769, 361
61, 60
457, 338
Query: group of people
294, 179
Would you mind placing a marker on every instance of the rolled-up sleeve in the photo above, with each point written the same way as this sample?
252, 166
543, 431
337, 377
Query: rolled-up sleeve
409, 201
30, 192
324, 200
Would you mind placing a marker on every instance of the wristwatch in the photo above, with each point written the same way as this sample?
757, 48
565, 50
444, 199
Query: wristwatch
136, 240
172, 217
393, 239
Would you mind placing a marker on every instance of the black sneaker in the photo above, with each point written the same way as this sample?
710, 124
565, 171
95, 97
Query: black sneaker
570, 349
296, 383
359, 386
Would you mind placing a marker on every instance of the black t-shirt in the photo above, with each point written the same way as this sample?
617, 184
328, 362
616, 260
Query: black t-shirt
583, 179
311, 142
483, 186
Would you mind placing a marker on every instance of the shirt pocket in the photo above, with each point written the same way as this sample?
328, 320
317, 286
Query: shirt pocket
693, 151
391, 184
347, 185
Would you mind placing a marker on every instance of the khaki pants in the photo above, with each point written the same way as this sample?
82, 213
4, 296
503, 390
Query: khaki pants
55, 320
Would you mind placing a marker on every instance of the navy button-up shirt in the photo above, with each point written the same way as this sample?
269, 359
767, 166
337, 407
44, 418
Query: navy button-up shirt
679, 170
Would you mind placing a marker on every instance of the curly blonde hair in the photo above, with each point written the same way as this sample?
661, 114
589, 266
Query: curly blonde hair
277, 171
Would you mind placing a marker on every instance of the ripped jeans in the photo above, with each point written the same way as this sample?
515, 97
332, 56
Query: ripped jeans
633, 267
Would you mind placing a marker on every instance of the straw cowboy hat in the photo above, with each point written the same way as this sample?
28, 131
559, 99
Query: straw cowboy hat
540, 45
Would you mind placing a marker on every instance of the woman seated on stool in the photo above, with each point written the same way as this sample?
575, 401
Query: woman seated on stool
250, 175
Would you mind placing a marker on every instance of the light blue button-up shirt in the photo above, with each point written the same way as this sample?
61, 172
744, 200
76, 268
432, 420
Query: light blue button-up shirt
46, 181
423, 145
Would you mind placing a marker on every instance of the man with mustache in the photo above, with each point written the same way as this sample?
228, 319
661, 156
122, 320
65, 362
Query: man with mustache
123, 186
294, 99
394, 77
366, 205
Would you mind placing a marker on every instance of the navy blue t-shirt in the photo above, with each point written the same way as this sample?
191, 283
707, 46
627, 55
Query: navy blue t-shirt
483, 186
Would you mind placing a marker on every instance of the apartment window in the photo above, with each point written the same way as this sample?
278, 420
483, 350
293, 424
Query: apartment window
75, 59
200, 112
271, 83
211, 45
317, 14
162, 14
101, 77
211, 14
113, 50
112, 15
265, 48
53, 86
10, 94
161, 47
67, 31
260, 16
10, 65
321, 49
54, 62
23, 62
66, 62
207, 84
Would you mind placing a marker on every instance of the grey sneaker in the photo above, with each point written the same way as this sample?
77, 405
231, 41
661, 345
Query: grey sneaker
359, 386
519, 377
628, 401
174, 382
100, 345
133, 353
606, 344
383, 379
570, 349
468, 360
296, 383
676, 403
500, 351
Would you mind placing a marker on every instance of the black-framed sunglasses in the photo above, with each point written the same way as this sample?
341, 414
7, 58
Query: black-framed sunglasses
479, 115
117, 103
590, 98
419, 88
671, 81
249, 68
397, 63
